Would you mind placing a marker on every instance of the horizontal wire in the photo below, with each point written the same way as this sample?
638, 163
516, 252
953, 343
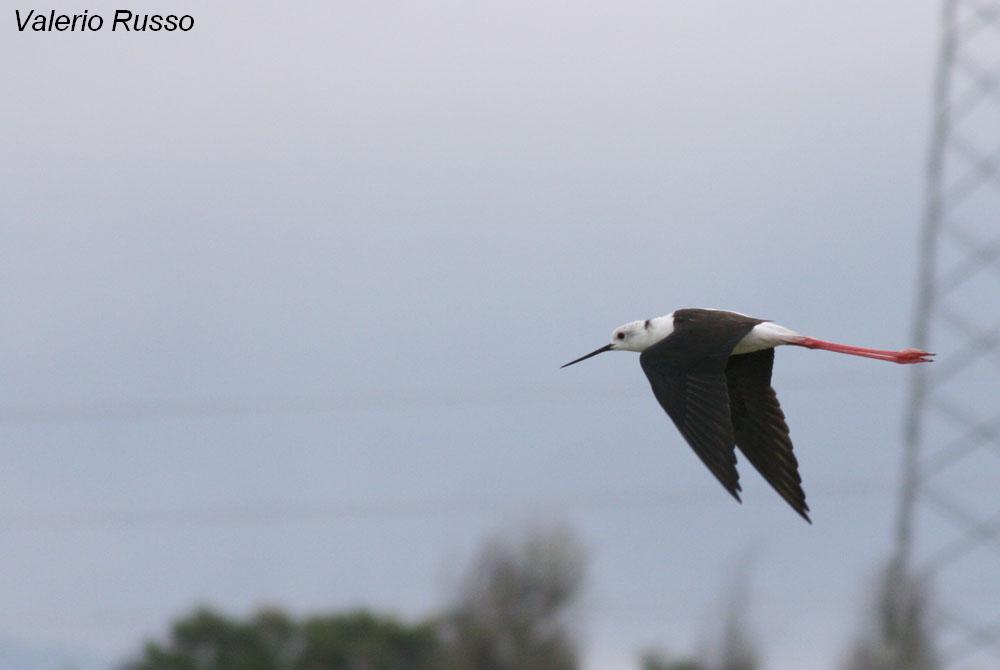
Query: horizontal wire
590, 502
398, 401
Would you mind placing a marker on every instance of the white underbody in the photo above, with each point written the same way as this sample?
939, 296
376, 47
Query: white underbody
765, 335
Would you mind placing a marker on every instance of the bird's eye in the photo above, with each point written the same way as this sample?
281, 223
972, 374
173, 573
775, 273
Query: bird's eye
620, 336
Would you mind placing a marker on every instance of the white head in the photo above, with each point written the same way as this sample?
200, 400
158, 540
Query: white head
635, 336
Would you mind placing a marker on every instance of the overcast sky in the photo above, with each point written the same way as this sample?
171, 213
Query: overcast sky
284, 300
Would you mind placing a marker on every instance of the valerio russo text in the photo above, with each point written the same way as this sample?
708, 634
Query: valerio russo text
123, 21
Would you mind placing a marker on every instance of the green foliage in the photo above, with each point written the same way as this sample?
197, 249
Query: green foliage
657, 660
271, 640
364, 641
513, 613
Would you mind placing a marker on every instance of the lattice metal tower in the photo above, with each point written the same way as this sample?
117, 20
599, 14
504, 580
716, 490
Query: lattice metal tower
948, 529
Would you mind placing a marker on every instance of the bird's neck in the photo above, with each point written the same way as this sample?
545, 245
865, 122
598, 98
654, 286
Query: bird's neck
653, 331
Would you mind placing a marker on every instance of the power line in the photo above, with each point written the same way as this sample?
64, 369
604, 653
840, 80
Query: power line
376, 401
579, 502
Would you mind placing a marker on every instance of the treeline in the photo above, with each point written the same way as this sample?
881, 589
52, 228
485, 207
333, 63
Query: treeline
517, 607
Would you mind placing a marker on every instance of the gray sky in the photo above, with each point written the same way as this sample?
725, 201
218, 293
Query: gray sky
285, 299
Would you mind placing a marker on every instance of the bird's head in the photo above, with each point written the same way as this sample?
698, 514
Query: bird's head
634, 336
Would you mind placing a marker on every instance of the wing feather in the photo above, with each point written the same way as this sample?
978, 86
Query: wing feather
759, 426
686, 371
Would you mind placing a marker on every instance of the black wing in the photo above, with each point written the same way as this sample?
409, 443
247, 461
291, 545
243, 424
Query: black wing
760, 428
686, 371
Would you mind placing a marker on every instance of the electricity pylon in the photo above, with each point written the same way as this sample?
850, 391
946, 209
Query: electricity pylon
948, 522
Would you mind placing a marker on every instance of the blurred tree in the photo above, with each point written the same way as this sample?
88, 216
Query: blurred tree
658, 660
896, 633
513, 611
736, 650
271, 640
365, 642
516, 605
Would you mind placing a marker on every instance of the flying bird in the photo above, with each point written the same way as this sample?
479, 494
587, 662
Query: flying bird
710, 370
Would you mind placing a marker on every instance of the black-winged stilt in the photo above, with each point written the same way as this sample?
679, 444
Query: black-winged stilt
711, 371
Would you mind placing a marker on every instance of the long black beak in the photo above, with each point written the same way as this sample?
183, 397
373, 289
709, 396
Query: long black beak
606, 347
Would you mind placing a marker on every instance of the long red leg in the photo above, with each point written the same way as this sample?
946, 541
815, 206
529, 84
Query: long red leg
903, 356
